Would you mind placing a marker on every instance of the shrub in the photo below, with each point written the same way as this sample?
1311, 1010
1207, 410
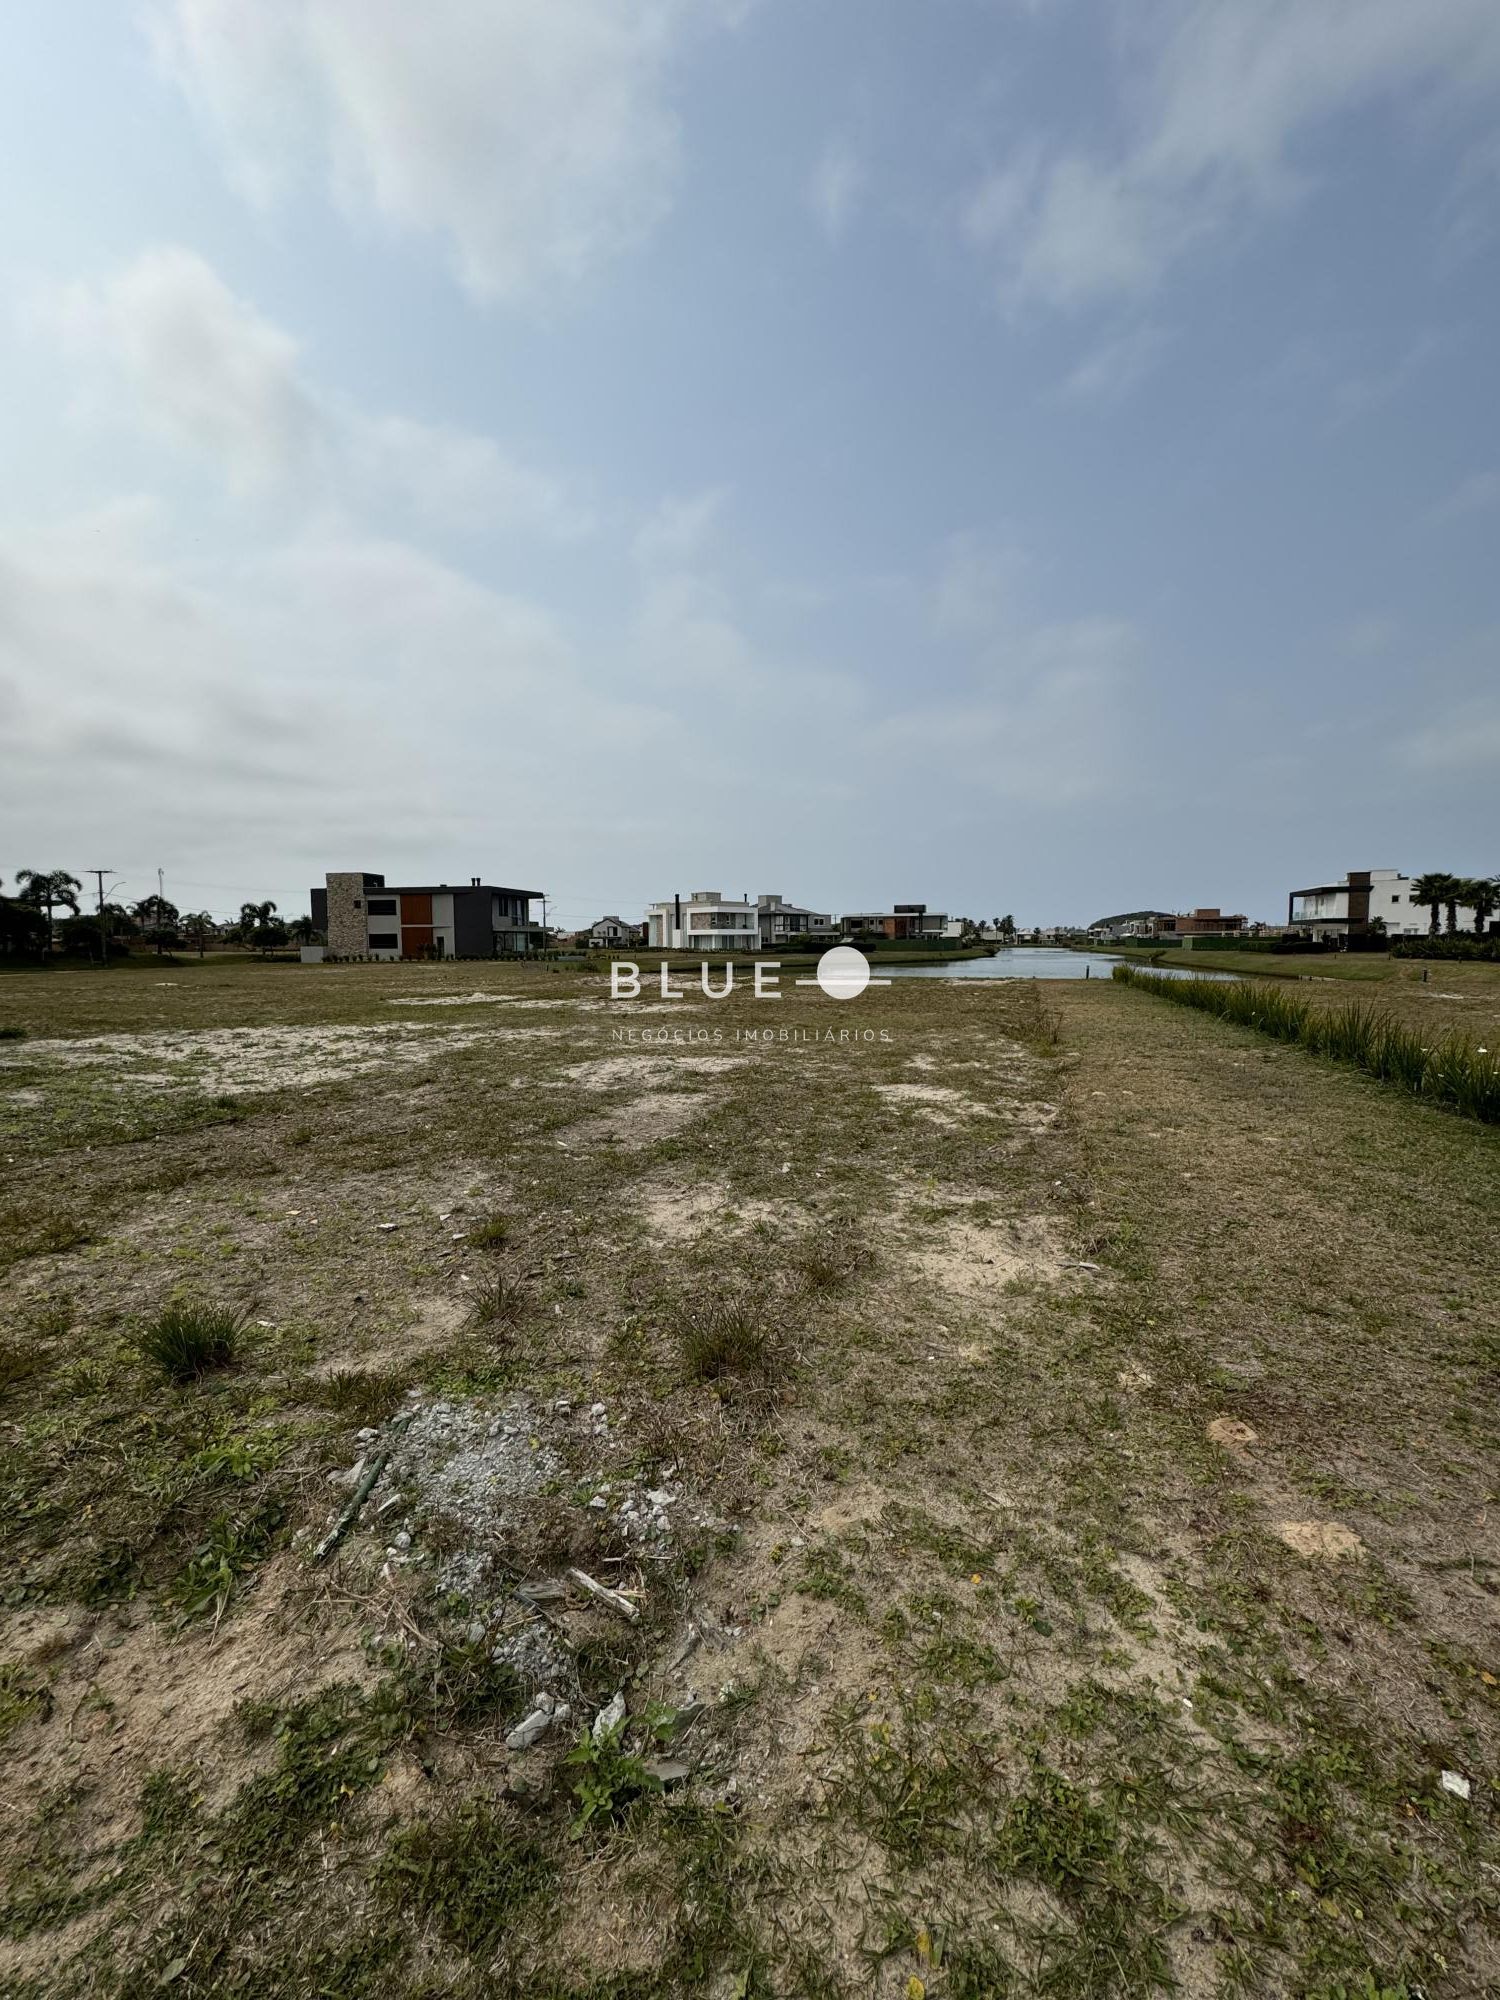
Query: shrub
1451, 1073
187, 1340
11, 1034
1460, 946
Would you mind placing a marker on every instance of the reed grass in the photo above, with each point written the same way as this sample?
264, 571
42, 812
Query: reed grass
1450, 1073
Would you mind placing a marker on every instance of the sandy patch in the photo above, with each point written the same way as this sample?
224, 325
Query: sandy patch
638, 1123
125, 1687
935, 1102
1326, 1540
974, 1259
648, 1068
229, 1062
676, 1215
1232, 1434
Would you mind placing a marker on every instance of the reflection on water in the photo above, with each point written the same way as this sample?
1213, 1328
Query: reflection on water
1035, 962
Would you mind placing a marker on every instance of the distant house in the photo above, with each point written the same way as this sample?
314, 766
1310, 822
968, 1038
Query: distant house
777, 921
610, 932
703, 921
1199, 923
1129, 924
363, 916
1350, 906
906, 920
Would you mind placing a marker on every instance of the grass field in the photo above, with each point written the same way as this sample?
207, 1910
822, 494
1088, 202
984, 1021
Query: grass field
1036, 1456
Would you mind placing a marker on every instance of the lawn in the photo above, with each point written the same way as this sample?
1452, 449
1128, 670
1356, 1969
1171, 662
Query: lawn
1028, 1467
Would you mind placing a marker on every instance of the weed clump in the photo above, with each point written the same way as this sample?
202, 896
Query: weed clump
500, 1302
491, 1234
828, 1258
188, 1340
470, 1875
726, 1336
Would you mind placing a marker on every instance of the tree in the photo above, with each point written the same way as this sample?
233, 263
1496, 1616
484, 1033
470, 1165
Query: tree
1482, 896
158, 919
260, 926
300, 930
198, 927
1008, 929
48, 889
1432, 891
23, 928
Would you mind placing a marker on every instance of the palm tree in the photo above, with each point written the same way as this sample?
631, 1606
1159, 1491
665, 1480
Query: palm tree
198, 927
1432, 890
300, 930
254, 917
158, 919
1482, 896
48, 889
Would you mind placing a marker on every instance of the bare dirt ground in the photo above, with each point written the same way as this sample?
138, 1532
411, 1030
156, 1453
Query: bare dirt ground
981, 1490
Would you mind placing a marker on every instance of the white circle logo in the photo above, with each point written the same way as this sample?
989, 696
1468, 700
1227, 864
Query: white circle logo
843, 972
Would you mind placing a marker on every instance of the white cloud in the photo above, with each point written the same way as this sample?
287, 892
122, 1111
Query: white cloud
1040, 711
1216, 98
680, 528
202, 369
977, 593
205, 369
339, 693
1046, 721
1110, 372
836, 186
1358, 395
534, 138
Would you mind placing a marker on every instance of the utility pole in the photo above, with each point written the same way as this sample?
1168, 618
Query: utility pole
99, 875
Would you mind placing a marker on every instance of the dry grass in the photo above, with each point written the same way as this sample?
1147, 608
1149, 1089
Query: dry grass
1077, 1566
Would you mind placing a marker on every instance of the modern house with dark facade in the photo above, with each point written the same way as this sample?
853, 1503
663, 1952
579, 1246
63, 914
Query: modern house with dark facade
362, 916
906, 920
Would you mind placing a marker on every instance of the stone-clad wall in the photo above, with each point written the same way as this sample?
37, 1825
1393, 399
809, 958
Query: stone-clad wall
348, 934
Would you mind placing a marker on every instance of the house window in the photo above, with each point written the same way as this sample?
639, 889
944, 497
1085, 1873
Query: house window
384, 941
382, 906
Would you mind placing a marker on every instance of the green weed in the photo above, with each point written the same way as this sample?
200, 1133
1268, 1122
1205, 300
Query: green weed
187, 1340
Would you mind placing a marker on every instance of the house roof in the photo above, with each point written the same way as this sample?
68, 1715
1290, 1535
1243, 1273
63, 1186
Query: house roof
454, 889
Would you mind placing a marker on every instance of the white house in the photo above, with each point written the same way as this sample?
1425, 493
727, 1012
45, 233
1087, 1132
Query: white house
703, 921
1350, 906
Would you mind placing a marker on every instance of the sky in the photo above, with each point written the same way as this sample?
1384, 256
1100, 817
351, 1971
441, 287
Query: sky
1028, 456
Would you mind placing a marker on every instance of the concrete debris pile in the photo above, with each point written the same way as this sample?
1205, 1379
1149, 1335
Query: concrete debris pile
452, 1487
